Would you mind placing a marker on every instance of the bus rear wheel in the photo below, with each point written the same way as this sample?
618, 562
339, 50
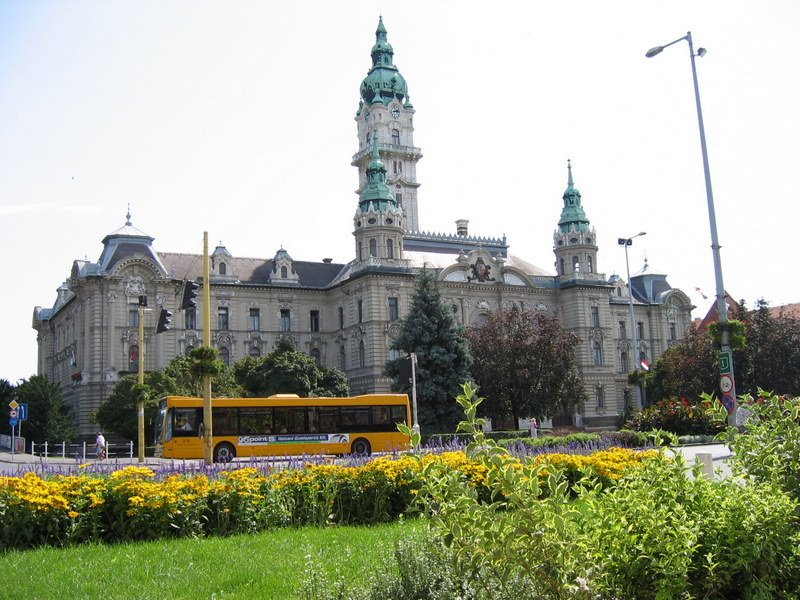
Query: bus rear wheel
361, 447
224, 453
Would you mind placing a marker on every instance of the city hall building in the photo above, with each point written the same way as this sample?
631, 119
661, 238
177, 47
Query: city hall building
346, 315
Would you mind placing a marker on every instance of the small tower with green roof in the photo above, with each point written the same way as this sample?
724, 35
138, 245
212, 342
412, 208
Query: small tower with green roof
385, 112
378, 222
574, 241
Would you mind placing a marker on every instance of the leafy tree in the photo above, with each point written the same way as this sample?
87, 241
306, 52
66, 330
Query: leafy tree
7, 391
685, 370
286, 370
49, 417
772, 352
443, 357
768, 359
117, 413
524, 363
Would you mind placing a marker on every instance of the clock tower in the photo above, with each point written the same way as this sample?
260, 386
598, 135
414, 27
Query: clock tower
385, 113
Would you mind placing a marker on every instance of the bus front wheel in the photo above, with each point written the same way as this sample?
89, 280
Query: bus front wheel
224, 452
360, 447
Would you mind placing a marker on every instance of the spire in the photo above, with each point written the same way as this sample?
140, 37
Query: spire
128, 216
572, 215
384, 81
376, 194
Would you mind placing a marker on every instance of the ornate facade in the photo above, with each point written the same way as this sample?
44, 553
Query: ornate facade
346, 314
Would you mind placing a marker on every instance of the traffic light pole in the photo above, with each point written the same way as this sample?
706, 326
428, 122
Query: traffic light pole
140, 400
207, 429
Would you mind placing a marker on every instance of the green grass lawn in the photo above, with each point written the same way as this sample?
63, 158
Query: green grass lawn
267, 565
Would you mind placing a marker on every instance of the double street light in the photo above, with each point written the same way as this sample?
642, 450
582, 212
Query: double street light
625, 242
725, 358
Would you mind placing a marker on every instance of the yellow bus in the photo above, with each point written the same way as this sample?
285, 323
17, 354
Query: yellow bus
282, 425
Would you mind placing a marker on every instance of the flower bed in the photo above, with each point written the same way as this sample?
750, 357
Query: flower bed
136, 503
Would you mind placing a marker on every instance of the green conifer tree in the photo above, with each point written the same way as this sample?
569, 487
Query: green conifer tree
443, 358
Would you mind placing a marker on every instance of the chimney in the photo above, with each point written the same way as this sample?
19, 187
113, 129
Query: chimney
327, 261
461, 227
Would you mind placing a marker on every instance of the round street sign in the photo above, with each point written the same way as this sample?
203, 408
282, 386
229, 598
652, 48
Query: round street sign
725, 383
13, 422
13, 414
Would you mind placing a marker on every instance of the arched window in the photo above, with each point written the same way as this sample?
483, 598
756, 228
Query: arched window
575, 264
223, 269
591, 266
362, 354
623, 360
133, 358
373, 247
396, 136
225, 355
389, 248
316, 356
189, 350
598, 354
254, 351
561, 266
284, 272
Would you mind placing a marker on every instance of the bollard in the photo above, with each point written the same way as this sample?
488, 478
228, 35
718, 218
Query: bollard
84, 451
707, 464
130, 454
63, 449
45, 449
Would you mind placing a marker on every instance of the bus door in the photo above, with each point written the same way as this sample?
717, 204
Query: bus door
183, 426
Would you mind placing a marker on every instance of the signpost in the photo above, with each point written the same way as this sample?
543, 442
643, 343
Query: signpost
17, 413
726, 384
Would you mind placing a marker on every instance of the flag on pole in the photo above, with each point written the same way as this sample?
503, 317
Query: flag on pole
645, 365
699, 291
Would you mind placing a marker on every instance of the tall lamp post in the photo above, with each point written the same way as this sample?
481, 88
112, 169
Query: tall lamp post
625, 242
727, 382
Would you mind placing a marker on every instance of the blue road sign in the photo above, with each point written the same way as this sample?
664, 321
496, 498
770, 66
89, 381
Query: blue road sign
728, 402
22, 412
13, 422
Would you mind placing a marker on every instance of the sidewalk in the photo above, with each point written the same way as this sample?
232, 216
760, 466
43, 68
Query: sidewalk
7, 459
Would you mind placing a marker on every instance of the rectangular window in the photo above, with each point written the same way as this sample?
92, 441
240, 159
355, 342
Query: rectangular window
360, 311
222, 318
399, 197
314, 320
255, 319
286, 319
598, 354
329, 419
394, 309
595, 316
225, 421
600, 396
186, 421
341, 318
623, 334
640, 330
190, 318
254, 421
672, 332
133, 317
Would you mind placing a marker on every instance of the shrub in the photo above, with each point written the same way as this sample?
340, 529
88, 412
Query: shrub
680, 417
768, 449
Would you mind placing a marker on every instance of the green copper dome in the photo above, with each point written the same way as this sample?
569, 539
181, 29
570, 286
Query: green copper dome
376, 192
572, 216
384, 81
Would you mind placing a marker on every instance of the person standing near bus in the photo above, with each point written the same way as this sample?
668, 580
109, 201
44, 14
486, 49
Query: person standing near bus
100, 446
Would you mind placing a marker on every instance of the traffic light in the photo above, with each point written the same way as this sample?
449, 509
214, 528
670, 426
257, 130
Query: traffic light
164, 320
189, 295
405, 375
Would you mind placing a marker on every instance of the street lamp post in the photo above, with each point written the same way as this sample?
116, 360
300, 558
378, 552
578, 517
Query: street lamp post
727, 382
625, 242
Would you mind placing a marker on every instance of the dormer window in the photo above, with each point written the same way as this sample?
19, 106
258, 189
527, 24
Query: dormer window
389, 248
284, 273
223, 268
591, 266
373, 247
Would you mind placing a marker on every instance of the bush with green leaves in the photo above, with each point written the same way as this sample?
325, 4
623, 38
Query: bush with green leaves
656, 534
679, 416
768, 448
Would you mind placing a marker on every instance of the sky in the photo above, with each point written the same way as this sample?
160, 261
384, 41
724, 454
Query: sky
236, 117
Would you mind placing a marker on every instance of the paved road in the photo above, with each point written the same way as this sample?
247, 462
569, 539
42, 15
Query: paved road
11, 464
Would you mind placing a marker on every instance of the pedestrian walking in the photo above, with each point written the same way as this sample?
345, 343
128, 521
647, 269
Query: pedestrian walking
534, 427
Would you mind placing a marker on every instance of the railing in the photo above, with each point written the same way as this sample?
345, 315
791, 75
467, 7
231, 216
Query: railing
79, 450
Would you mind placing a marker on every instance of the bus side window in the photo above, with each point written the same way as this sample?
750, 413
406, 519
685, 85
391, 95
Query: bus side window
186, 421
329, 420
224, 420
297, 420
313, 419
399, 414
382, 419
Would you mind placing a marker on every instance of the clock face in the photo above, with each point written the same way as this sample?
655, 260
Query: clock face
394, 111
